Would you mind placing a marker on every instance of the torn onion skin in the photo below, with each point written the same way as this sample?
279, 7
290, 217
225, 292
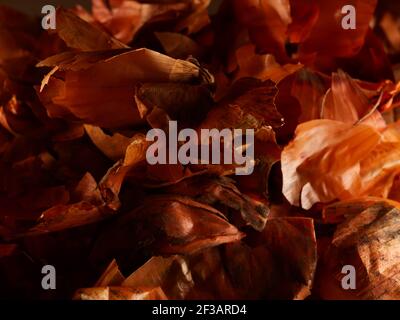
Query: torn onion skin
78, 192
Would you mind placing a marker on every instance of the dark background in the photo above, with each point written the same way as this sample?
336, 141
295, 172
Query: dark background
34, 7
